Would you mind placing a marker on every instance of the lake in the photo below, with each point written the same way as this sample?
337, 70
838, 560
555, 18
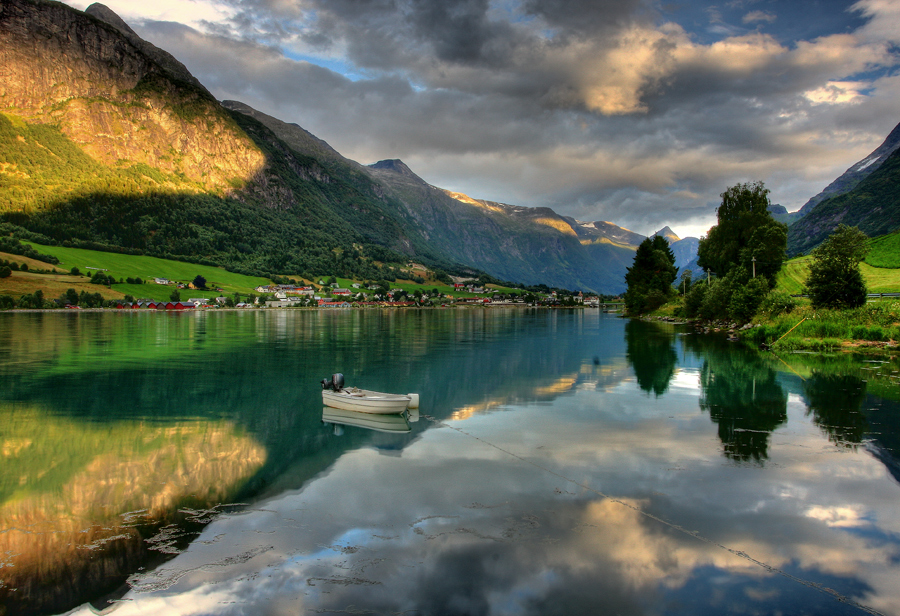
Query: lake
561, 462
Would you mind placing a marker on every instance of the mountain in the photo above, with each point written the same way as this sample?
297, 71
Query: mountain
780, 213
121, 100
668, 234
522, 244
109, 142
873, 205
857, 173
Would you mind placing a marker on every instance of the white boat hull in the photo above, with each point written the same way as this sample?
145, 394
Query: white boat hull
379, 422
365, 401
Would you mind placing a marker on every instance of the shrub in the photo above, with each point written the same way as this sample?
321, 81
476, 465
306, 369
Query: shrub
5, 272
860, 332
777, 303
715, 302
745, 299
693, 300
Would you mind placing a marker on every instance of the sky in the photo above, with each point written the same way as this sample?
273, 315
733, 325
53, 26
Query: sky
636, 112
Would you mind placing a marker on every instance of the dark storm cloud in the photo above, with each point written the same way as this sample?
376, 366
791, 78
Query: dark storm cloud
590, 17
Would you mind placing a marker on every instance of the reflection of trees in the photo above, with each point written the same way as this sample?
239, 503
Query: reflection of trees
742, 397
651, 354
835, 402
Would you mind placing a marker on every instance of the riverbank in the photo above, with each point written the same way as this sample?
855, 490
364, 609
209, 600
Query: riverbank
875, 326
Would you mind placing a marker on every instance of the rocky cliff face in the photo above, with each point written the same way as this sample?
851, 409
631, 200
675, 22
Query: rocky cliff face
118, 97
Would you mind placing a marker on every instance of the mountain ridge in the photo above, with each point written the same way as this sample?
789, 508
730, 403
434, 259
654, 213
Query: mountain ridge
176, 172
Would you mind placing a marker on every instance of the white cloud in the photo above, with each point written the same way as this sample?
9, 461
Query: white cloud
836, 92
758, 16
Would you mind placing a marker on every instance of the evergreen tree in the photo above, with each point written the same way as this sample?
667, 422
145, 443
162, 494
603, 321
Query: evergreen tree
835, 280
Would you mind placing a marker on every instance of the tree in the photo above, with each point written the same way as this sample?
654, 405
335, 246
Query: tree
199, 282
834, 279
650, 277
175, 296
5, 272
745, 231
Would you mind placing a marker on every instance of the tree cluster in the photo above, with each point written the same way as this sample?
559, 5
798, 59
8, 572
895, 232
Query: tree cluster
745, 249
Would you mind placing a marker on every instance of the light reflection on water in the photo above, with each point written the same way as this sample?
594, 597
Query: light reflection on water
563, 462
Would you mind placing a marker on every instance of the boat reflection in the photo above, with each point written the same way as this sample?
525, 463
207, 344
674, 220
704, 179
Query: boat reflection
370, 421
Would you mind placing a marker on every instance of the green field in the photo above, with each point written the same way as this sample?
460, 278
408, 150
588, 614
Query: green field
884, 251
123, 266
147, 268
793, 274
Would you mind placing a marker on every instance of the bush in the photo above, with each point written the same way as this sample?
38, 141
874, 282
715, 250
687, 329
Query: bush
693, 300
777, 303
5, 272
716, 300
745, 299
861, 332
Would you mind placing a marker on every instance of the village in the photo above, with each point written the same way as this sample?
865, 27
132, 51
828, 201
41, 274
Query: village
330, 295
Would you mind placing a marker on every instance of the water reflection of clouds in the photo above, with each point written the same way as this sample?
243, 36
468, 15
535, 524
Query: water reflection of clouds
424, 536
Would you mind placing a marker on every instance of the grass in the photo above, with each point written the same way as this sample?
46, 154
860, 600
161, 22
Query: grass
822, 330
793, 274
148, 268
884, 251
54, 285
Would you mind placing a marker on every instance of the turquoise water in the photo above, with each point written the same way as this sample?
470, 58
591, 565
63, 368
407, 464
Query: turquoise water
562, 462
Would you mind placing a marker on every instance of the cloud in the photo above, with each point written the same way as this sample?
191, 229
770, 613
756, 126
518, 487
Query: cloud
758, 16
604, 110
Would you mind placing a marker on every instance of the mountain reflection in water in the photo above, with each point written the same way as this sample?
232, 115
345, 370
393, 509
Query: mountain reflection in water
563, 462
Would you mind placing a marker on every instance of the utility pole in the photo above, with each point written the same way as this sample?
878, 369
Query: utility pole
754, 267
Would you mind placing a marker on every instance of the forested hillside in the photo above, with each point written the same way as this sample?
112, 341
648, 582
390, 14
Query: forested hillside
873, 205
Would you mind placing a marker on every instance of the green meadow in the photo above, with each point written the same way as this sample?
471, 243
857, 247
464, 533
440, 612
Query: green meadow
121, 266
793, 274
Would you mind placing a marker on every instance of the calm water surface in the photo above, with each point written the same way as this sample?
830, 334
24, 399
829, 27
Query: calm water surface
561, 463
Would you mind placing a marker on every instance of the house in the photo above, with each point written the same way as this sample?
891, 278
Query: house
356, 285
458, 285
344, 292
326, 304
162, 281
221, 300
198, 301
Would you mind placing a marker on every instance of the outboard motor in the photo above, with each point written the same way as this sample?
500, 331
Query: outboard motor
337, 381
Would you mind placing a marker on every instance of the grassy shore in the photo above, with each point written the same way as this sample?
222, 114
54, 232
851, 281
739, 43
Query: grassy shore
877, 325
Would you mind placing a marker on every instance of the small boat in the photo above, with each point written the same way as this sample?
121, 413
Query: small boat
370, 421
335, 395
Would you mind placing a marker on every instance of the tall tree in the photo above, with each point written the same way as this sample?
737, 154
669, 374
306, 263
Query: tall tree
745, 234
835, 280
650, 277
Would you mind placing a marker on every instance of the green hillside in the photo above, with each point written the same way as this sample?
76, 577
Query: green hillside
884, 251
873, 206
793, 274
